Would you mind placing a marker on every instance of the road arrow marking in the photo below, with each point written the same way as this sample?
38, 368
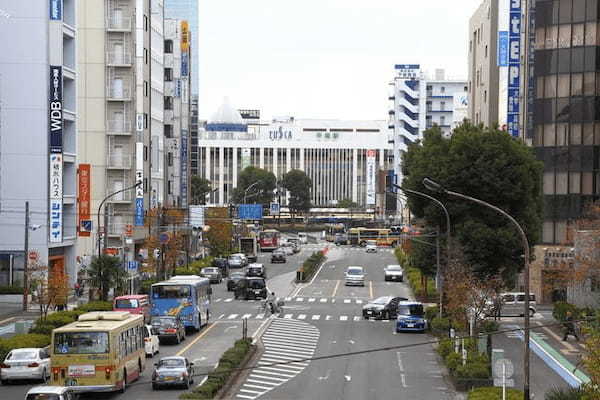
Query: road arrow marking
348, 378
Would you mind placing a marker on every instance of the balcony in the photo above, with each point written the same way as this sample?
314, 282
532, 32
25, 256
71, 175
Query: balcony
119, 59
118, 161
119, 127
117, 23
119, 90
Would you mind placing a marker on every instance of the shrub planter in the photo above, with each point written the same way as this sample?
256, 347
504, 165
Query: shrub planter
310, 266
224, 392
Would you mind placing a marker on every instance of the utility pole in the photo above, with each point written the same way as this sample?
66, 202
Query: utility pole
26, 262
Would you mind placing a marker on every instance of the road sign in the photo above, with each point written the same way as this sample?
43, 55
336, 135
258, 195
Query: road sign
164, 238
197, 216
509, 382
34, 255
132, 265
86, 225
274, 209
250, 211
503, 366
128, 230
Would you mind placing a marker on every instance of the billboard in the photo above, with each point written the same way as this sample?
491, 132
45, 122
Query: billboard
246, 158
514, 67
370, 177
250, 211
83, 200
56, 198
274, 209
185, 49
139, 190
55, 10
55, 109
197, 216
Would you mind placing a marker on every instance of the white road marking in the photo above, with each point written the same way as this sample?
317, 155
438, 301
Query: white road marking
228, 300
403, 378
348, 378
221, 316
328, 317
299, 299
359, 301
268, 377
346, 301
400, 365
316, 317
232, 316
302, 316
241, 396
273, 373
257, 386
287, 316
311, 300
287, 299
218, 300
356, 318
246, 316
323, 300
260, 316
343, 318
250, 391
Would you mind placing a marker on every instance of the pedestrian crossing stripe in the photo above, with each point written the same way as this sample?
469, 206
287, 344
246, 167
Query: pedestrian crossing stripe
309, 300
319, 317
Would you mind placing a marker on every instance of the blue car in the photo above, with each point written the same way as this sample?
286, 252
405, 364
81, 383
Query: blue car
410, 317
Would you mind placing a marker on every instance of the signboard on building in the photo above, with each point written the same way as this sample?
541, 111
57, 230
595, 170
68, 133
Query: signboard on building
370, 177
185, 49
197, 216
55, 10
139, 190
56, 198
55, 109
83, 200
408, 71
139, 122
502, 48
246, 158
250, 211
250, 114
184, 168
514, 67
274, 209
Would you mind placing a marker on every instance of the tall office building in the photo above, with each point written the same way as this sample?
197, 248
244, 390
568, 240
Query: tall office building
187, 10
38, 136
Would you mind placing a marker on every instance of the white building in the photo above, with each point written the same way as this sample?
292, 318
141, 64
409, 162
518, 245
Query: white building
157, 109
38, 135
419, 103
334, 154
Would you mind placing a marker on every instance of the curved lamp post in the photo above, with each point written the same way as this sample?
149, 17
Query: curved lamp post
248, 189
436, 187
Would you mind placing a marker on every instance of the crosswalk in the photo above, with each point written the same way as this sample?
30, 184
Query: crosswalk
285, 341
300, 316
355, 300
315, 247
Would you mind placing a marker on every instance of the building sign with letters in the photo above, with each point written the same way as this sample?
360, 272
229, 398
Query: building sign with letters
371, 172
55, 109
514, 67
83, 199
56, 198
139, 190
408, 71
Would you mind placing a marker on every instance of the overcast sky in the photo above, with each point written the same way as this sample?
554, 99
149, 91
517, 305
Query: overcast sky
323, 58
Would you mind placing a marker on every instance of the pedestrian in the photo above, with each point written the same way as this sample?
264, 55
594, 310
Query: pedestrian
569, 327
271, 301
77, 289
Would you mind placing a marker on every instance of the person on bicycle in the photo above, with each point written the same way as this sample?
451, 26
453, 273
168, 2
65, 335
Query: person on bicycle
569, 327
272, 302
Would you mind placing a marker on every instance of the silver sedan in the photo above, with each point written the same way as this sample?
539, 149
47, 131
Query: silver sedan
173, 371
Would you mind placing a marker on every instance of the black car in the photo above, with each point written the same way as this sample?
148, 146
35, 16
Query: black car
223, 265
168, 327
233, 280
278, 255
382, 308
251, 288
256, 270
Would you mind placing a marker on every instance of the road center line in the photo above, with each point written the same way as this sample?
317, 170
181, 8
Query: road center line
371, 289
335, 289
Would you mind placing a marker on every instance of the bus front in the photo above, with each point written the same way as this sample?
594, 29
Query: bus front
269, 240
176, 298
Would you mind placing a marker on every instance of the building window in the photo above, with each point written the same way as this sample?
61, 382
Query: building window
145, 23
168, 74
145, 120
145, 153
145, 56
145, 185
442, 105
168, 131
442, 120
486, 49
485, 96
168, 103
442, 89
170, 187
168, 47
170, 159
145, 88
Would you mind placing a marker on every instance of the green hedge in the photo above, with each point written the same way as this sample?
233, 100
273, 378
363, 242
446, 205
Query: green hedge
229, 361
494, 393
477, 369
145, 285
311, 265
22, 341
11, 290
413, 275
95, 306
194, 267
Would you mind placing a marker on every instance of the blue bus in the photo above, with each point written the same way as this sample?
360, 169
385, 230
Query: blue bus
185, 295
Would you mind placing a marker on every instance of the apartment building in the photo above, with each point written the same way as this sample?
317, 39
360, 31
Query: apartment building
38, 136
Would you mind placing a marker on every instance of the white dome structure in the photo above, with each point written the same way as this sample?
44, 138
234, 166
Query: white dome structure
226, 114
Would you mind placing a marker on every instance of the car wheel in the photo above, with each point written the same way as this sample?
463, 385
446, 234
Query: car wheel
154, 386
531, 313
124, 387
177, 339
4, 381
187, 384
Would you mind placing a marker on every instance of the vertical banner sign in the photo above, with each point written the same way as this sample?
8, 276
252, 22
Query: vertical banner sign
245, 158
184, 168
502, 48
139, 190
185, 48
56, 198
531, 81
56, 10
55, 109
83, 199
371, 177
514, 67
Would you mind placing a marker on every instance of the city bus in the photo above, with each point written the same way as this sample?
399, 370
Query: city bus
102, 351
331, 230
184, 295
382, 236
269, 239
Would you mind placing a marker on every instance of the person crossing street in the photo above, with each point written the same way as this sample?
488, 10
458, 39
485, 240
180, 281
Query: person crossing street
569, 327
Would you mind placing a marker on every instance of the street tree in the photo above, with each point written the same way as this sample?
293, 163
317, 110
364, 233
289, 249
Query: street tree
261, 193
49, 287
347, 203
490, 165
220, 231
299, 185
163, 258
106, 272
200, 188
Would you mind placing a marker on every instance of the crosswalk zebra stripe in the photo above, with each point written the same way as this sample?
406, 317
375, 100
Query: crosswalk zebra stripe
316, 317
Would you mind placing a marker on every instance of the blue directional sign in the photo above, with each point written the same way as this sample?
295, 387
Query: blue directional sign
132, 265
250, 211
503, 48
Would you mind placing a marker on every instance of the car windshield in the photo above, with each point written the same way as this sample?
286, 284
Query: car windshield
415, 310
81, 343
126, 303
22, 355
394, 268
165, 321
256, 284
355, 271
209, 270
381, 300
170, 291
237, 275
235, 258
171, 363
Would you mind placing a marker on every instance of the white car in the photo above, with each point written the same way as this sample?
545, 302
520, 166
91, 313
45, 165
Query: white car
23, 364
289, 250
151, 342
393, 273
371, 248
243, 257
52, 392
354, 276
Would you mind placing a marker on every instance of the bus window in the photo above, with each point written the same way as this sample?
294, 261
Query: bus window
171, 292
81, 343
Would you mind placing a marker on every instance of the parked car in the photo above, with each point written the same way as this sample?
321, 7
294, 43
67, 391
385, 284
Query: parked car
223, 265
24, 364
168, 327
52, 393
393, 273
151, 342
341, 238
258, 270
243, 257
233, 279
382, 308
512, 304
173, 371
289, 250
235, 261
371, 248
355, 275
410, 317
303, 237
212, 273
278, 255
296, 247
251, 288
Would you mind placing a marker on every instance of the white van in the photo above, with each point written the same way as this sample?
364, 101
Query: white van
303, 237
513, 304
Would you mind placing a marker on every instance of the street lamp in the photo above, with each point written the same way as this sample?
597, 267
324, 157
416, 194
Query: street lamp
436, 187
248, 189
441, 205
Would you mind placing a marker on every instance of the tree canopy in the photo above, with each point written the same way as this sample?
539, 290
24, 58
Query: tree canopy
487, 164
299, 185
106, 272
200, 187
261, 193
347, 203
